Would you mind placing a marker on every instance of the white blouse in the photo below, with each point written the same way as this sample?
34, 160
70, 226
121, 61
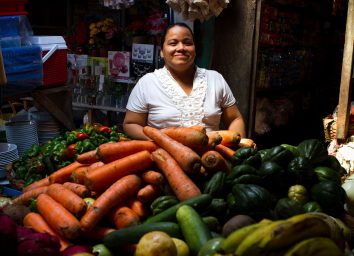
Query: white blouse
159, 95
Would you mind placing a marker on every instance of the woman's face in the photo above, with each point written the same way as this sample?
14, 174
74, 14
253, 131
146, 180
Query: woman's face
178, 50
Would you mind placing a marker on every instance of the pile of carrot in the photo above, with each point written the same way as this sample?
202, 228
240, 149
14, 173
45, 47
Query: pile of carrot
123, 178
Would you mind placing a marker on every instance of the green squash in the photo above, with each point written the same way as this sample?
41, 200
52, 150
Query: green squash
291, 148
274, 177
242, 154
326, 173
313, 149
312, 206
300, 171
298, 193
238, 171
333, 163
280, 155
254, 160
286, 208
330, 196
252, 200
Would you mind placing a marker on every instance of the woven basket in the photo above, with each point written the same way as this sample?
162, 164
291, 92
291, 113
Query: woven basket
330, 128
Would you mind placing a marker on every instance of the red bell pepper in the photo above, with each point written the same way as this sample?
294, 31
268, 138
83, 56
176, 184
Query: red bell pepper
82, 136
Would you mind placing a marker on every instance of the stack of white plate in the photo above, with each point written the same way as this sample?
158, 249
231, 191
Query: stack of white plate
47, 126
22, 133
8, 154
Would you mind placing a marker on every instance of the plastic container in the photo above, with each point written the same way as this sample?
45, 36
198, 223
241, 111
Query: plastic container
7, 42
23, 65
14, 31
54, 57
12, 7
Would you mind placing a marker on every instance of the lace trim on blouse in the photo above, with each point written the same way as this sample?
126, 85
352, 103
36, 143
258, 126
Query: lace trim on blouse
190, 106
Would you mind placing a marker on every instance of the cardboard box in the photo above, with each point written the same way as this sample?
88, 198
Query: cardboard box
119, 64
54, 58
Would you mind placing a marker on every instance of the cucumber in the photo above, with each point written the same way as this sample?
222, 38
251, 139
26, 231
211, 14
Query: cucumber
211, 247
197, 202
132, 235
194, 230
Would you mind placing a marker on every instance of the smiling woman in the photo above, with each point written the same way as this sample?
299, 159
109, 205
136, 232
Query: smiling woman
181, 93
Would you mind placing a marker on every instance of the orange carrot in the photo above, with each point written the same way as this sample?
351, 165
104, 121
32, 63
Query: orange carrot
71, 201
112, 151
153, 177
183, 187
102, 177
226, 152
36, 222
249, 143
148, 193
213, 161
214, 139
25, 197
60, 219
63, 174
88, 157
95, 165
120, 191
123, 217
200, 128
230, 138
79, 189
187, 136
98, 233
36, 184
78, 175
138, 207
188, 159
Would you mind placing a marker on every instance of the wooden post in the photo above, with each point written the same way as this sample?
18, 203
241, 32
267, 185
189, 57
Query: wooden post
344, 95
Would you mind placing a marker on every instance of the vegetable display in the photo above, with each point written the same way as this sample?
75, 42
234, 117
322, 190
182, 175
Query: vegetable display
41, 160
256, 201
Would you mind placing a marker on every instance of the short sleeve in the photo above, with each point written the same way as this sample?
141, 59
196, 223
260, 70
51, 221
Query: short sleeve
137, 99
227, 97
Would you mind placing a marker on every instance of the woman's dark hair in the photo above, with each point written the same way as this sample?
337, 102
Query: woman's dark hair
179, 24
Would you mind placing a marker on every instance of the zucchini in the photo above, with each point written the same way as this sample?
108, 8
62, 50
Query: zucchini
132, 235
194, 230
197, 202
215, 186
162, 203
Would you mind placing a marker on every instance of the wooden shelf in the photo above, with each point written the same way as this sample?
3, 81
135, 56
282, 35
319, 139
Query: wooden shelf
106, 108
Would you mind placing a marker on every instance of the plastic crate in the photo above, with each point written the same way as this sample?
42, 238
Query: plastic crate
23, 65
15, 31
12, 7
9, 26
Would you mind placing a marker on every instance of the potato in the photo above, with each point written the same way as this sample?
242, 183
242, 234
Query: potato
236, 222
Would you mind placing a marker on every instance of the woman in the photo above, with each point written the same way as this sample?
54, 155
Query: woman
180, 93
